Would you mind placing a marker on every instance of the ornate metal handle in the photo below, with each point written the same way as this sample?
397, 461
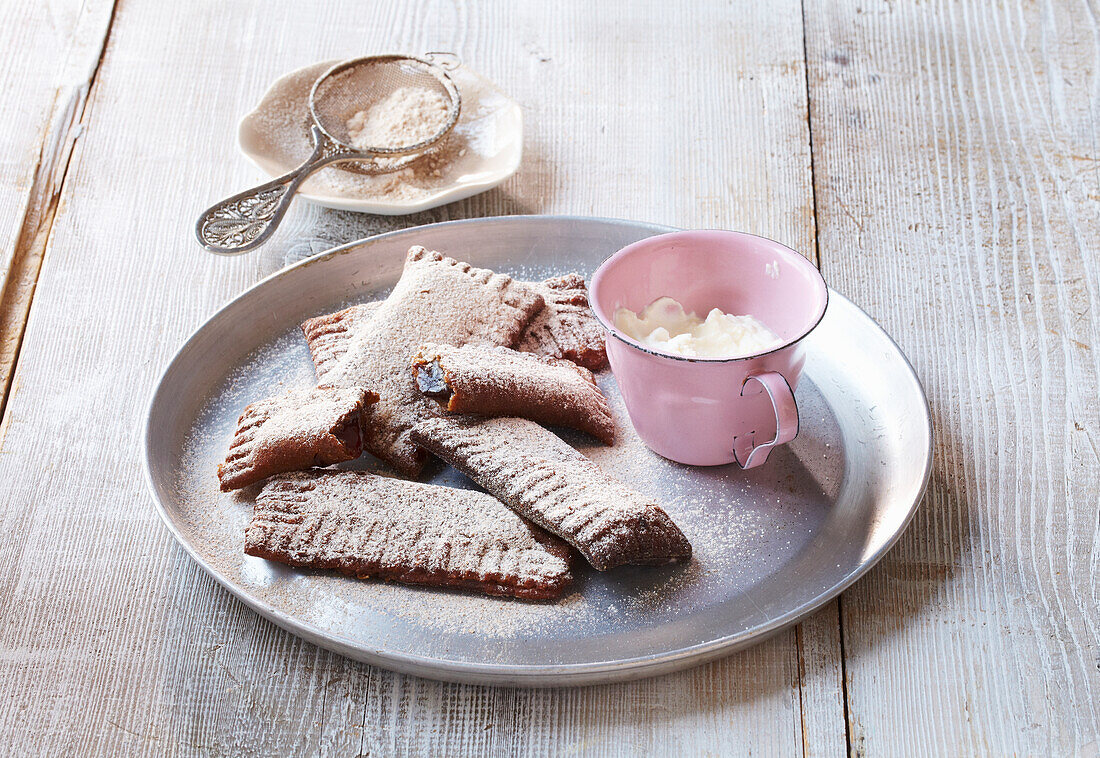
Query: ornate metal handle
246, 220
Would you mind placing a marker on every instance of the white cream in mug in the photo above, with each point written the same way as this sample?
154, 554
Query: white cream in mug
664, 326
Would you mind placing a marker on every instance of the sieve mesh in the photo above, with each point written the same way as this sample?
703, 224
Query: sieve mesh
356, 85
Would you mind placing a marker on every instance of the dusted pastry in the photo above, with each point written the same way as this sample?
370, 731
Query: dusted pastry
293, 431
566, 326
498, 381
545, 480
328, 335
437, 299
372, 526
563, 328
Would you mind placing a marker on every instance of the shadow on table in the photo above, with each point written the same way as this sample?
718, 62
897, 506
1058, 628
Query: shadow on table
917, 570
312, 229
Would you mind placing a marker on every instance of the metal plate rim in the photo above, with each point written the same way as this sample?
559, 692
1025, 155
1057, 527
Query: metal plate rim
515, 674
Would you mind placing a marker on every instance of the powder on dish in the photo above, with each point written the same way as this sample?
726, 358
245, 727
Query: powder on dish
280, 127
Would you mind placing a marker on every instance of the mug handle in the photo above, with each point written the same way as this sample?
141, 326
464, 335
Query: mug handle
749, 455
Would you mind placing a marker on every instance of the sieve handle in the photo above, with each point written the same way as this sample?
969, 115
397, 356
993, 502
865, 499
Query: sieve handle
446, 61
246, 220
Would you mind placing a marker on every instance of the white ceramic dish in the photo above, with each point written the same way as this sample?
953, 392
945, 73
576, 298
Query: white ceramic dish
275, 137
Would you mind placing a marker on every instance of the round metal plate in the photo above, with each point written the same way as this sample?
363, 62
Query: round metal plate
771, 545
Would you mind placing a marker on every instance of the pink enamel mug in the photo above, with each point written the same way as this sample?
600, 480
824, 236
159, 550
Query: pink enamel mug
711, 411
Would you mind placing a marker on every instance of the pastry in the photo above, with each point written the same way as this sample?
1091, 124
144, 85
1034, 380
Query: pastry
566, 326
437, 299
374, 526
498, 381
563, 328
545, 480
328, 335
293, 431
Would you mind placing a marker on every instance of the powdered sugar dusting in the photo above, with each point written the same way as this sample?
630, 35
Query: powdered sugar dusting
542, 478
283, 122
436, 299
742, 525
389, 528
405, 117
295, 430
566, 327
499, 381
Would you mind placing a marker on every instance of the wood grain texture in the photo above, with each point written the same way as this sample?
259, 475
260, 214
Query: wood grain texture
956, 168
49, 55
116, 641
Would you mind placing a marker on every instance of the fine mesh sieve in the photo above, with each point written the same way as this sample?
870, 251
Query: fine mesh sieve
355, 85
246, 220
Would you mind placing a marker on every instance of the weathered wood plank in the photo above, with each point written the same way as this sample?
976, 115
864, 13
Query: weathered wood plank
956, 159
116, 641
48, 58
820, 680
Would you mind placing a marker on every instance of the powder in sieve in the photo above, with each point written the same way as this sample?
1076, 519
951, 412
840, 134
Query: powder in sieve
282, 125
407, 116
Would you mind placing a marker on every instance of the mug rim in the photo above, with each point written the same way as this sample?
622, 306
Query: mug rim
613, 331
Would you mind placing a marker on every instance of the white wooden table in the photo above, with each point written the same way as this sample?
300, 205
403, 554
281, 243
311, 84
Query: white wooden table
939, 160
